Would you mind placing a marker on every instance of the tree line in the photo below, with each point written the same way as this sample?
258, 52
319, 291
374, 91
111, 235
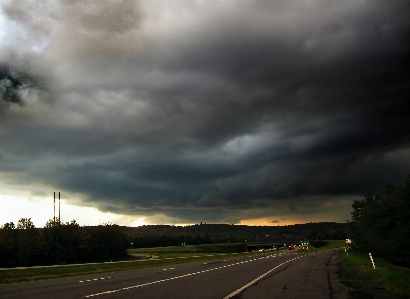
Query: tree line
381, 224
63, 243
59, 243
169, 235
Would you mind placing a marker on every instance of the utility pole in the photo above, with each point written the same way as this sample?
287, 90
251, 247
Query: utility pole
54, 218
59, 219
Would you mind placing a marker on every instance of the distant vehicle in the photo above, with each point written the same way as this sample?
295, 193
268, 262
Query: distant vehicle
261, 249
292, 247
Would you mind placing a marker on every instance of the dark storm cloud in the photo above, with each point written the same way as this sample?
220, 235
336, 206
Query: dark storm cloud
9, 86
211, 111
16, 86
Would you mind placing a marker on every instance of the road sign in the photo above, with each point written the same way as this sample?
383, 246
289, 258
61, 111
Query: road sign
305, 243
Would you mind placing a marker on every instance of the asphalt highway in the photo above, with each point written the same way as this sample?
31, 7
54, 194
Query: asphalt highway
290, 274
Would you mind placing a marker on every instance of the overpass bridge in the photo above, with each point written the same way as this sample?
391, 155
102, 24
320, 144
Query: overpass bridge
272, 245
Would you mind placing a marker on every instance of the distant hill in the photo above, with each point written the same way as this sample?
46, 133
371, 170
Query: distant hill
169, 235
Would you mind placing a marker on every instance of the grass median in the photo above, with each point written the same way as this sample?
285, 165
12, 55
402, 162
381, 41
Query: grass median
139, 258
157, 257
37, 273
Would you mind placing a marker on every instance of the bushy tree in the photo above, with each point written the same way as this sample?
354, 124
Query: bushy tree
381, 224
29, 243
106, 242
8, 255
65, 242
59, 243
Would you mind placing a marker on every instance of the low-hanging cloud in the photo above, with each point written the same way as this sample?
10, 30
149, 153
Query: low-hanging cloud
214, 111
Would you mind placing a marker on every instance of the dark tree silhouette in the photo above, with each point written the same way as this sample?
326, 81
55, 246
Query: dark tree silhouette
381, 224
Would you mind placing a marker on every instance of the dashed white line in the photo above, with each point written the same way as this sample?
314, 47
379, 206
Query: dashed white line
94, 279
194, 273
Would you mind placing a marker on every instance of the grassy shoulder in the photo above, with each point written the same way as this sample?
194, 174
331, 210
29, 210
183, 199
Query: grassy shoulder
393, 278
140, 258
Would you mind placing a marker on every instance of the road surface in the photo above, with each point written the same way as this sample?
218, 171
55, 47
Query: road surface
291, 274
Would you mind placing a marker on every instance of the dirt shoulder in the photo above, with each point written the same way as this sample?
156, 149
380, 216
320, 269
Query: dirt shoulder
360, 287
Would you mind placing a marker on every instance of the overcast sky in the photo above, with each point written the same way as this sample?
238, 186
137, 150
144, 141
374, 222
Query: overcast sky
176, 112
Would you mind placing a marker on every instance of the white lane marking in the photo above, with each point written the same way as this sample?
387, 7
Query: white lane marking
186, 275
238, 291
94, 279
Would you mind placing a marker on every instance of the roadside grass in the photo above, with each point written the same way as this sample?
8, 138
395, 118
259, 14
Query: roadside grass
393, 278
166, 256
197, 250
32, 273
163, 256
